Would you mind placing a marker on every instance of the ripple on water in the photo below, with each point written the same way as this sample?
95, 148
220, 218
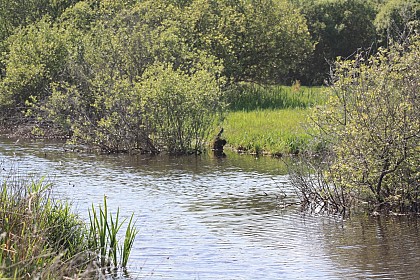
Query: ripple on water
206, 218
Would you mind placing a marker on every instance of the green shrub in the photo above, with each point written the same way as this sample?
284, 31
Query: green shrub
182, 109
372, 125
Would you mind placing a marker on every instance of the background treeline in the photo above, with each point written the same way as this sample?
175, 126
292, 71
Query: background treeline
154, 75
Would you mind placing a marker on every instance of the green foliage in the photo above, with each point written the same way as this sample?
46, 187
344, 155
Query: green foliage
181, 108
397, 20
23, 12
339, 28
36, 57
123, 98
258, 41
372, 125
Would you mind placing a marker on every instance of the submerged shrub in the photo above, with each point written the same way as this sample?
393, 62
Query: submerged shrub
371, 126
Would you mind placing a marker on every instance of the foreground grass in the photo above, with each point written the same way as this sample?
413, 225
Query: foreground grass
41, 238
271, 119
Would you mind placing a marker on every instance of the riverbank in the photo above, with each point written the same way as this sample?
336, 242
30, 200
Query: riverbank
263, 120
18, 126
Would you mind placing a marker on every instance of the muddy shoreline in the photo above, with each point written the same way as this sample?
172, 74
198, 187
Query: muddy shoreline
28, 128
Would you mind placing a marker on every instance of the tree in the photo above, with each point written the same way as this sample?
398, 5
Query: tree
397, 20
338, 28
36, 57
257, 41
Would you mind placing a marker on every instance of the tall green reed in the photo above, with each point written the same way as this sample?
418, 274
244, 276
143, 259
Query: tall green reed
104, 230
130, 235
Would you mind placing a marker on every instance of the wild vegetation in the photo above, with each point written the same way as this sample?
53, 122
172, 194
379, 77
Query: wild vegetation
106, 72
370, 129
146, 75
41, 237
152, 76
270, 119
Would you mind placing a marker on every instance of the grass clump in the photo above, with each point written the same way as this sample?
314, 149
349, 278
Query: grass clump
104, 229
41, 237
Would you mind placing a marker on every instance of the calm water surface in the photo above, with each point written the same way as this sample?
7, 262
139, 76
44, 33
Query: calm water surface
221, 218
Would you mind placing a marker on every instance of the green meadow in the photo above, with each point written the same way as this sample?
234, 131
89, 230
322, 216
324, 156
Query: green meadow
270, 119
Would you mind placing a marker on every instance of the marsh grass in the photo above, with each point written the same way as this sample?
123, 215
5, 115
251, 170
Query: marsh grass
274, 132
270, 119
249, 97
104, 230
41, 238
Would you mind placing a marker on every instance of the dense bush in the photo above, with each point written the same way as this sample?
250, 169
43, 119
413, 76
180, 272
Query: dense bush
144, 90
371, 126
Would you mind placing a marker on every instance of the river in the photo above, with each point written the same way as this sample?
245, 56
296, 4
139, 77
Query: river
221, 218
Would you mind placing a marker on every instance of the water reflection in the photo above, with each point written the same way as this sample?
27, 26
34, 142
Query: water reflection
377, 247
227, 217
